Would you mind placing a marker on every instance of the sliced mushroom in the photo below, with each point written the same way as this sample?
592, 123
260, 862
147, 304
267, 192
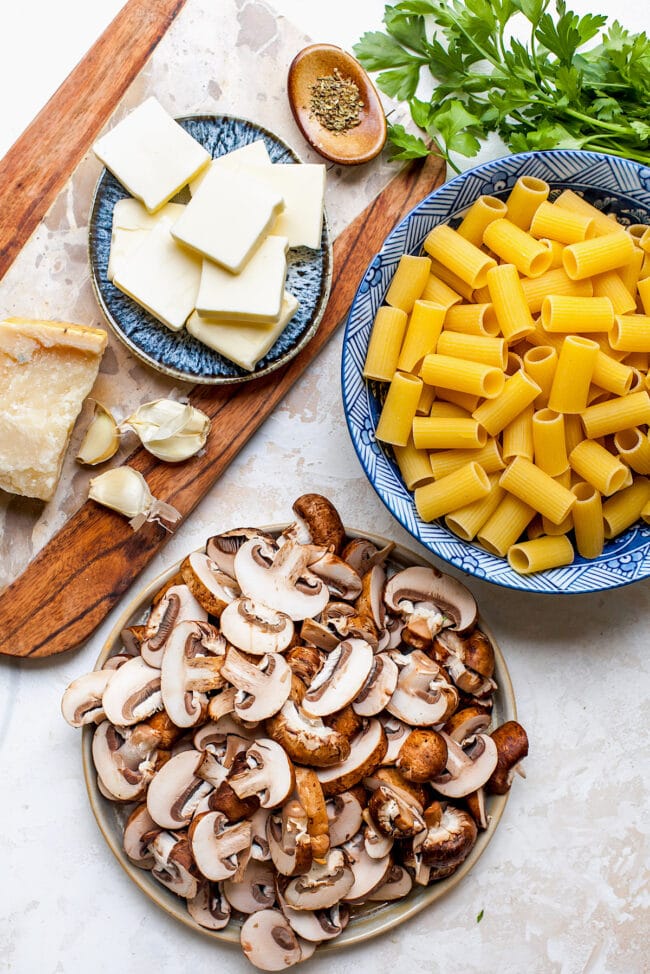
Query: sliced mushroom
82, 700
410, 791
191, 666
305, 662
396, 886
364, 555
280, 578
209, 908
467, 767
289, 840
446, 843
176, 605
511, 743
210, 586
133, 693
123, 769
254, 891
366, 752
379, 687
394, 815
259, 842
269, 774
176, 791
222, 548
377, 845
423, 695
221, 849
174, 866
340, 680
322, 519
213, 735
423, 755
255, 627
139, 831
319, 635
345, 815
307, 739
262, 689
310, 795
476, 807
324, 885
316, 926
225, 800
426, 586
396, 733
132, 639
341, 579
368, 873
469, 661
269, 942
467, 722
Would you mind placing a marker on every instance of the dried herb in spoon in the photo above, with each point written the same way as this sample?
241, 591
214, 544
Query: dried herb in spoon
335, 102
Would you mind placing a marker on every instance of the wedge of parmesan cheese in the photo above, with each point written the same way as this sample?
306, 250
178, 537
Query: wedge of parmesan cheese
151, 154
47, 368
242, 344
131, 223
254, 295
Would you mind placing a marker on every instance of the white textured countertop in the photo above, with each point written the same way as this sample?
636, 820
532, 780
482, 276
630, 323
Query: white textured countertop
563, 887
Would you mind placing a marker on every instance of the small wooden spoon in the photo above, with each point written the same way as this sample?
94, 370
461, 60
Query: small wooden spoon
362, 142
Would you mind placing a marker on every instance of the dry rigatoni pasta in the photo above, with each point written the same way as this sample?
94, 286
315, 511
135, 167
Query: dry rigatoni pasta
385, 343
524, 198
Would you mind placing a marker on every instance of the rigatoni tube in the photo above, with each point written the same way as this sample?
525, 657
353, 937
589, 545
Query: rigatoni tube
466, 485
533, 486
385, 343
588, 520
573, 374
408, 282
540, 554
397, 414
462, 375
593, 463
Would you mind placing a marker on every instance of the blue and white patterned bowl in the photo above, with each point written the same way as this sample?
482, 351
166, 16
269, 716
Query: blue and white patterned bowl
612, 184
179, 354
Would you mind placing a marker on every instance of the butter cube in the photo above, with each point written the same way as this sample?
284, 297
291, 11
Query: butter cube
162, 277
254, 152
228, 217
244, 345
151, 155
47, 368
131, 223
254, 295
302, 186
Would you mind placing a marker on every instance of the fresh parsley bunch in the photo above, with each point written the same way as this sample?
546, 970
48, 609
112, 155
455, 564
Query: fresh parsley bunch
543, 92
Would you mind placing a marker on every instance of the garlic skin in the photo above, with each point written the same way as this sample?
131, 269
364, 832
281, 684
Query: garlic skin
172, 431
125, 490
101, 440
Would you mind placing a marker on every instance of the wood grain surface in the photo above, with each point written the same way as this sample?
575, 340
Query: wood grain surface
39, 164
77, 578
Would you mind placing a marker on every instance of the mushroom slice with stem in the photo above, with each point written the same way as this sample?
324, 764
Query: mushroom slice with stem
289, 840
340, 680
133, 693
307, 739
423, 755
341, 579
280, 578
468, 767
476, 807
254, 891
435, 595
268, 941
209, 908
396, 886
305, 662
447, 841
139, 831
393, 814
176, 605
210, 586
396, 733
325, 884
310, 795
366, 752
268, 774
176, 791
224, 799
316, 926
368, 873
379, 687
174, 866
322, 521
191, 666
221, 850
423, 695
255, 627
214, 735
259, 842
123, 769
467, 722
377, 845
364, 555
469, 661
82, 700
511, 743
319, 635
222, 548
262, 689
345, 817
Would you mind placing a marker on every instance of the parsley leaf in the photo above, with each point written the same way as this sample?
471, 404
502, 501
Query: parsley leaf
408, 146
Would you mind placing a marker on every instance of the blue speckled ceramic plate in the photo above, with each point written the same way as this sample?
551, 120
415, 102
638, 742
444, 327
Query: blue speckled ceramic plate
179, 354
614, 185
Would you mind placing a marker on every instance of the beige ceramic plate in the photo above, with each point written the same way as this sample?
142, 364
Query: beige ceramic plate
367, 921
360, 143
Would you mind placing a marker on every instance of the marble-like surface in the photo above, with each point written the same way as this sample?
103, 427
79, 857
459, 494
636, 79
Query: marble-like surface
564, 885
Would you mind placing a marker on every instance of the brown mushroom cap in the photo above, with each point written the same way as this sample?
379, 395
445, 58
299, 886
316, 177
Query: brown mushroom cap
423, 755
444, 846
310, 795
323, 520
512, 747
393, 815
466, 722
307, 740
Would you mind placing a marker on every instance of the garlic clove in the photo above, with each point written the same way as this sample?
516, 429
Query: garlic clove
176, 448
125, 490
170, 430
101, 440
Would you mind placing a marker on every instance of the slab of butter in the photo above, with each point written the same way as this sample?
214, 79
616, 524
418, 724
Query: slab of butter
254, 295
131, 222
162, 277
254, 152
47, 368
228, 217
151, 155
244, 345
302, 186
